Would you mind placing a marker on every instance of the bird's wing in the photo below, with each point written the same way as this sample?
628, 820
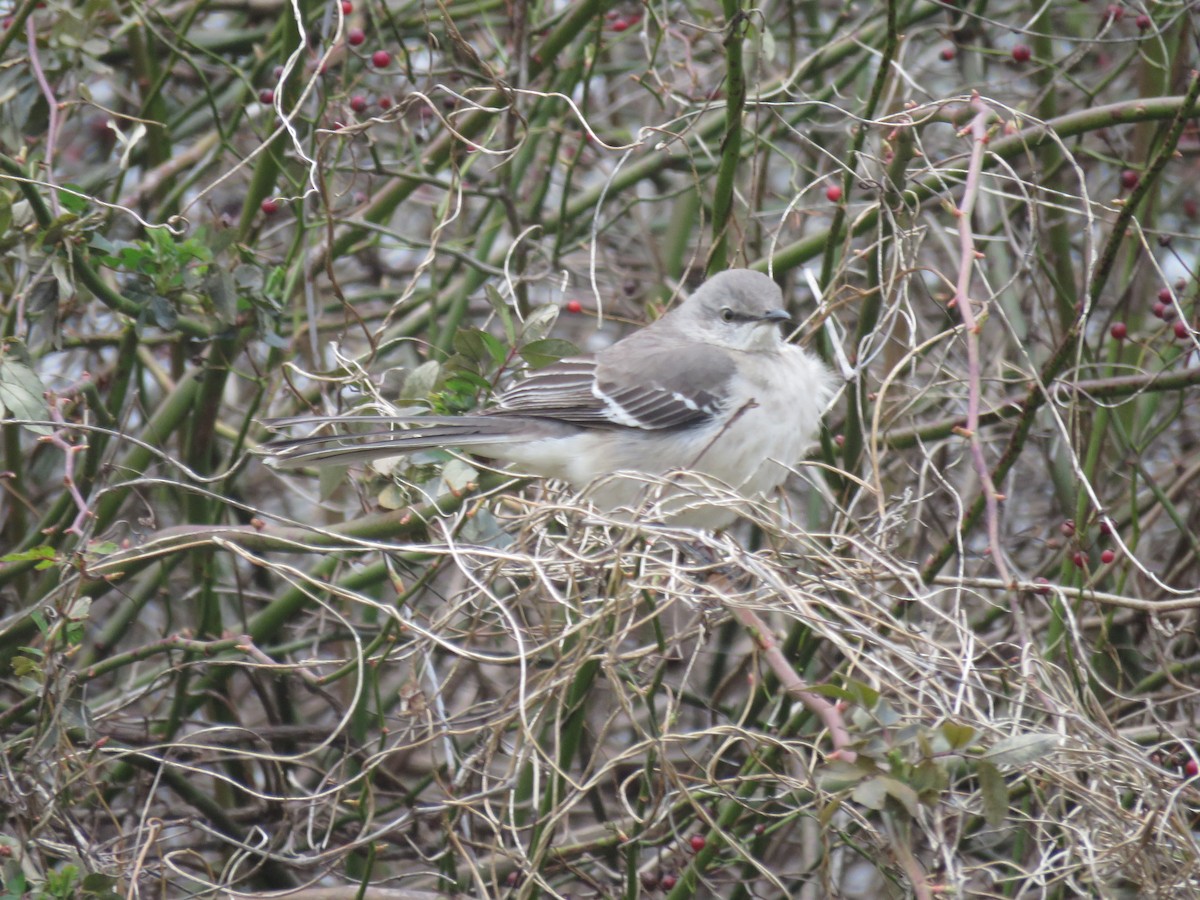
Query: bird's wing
644, 384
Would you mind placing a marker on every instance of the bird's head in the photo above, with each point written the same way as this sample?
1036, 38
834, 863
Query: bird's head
740, 309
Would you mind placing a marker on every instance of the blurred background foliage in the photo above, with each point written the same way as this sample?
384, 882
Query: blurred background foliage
434, 679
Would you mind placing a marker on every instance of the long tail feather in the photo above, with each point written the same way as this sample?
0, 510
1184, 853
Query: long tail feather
412, 433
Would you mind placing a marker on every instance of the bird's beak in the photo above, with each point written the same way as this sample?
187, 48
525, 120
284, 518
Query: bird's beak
776, 316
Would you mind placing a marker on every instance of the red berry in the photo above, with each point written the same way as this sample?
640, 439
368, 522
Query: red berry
1105, 528
1191, 208
1129, 179
270, 207
355, 36
278, 72
833, 193
1143, 21
1114, 12
358, 103
1067, 527
840, 440
381, 59
266, 96
1021, 53
697, 842
667, 882
1107, 556
1164, 294
947, 54
1168, 312
1191, 769
1043, 585
1181, 330
347, 7
1080, 559
1159, 309
1119, 331
619, 24
385, 102
574, 306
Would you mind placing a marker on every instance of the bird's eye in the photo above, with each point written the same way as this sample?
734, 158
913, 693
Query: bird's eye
727, 314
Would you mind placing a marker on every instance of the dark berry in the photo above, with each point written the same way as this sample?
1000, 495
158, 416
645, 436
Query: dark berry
1119, 331
355, 36
667, 882
1164, 294
358, 103
1143, 21
266, 96
1181, 330
1021, 53
1080, 559
1191, 769
1043, 585
1129, 179
381, 59
947, 54
1114, 12
697, 842
385, 102
270, 207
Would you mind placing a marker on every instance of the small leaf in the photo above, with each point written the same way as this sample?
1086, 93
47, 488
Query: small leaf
544, 352
458, 474
219, 285
538, 323
957, 735
41, 553
162, 312
420, 381
21, 393
503, 312
994, 793
1021, 749
393, 496
471, 344
871, 793
837, 774
73, 198
902, 793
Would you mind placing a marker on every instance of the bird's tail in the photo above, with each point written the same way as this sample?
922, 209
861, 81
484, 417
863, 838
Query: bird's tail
380, 437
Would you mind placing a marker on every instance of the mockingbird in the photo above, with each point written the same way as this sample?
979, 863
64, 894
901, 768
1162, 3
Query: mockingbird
711, 388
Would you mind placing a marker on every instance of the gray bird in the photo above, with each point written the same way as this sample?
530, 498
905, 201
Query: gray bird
711, 387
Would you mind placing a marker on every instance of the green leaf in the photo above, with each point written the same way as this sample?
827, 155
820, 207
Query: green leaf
902, 793
221, 290
473, 345
21, 393
956, 735
42, 553
871, 793
503, 312
994, 793
538, 323
544, 352
421, 381
73, 199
